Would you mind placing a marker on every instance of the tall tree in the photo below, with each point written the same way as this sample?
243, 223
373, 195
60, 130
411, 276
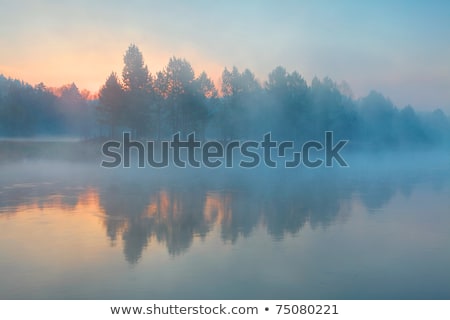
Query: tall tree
240, 92
290, 96
111, 104
186, 106
160, 102
76, 111
17, 111
138, 91
378, 117
135, 74
206, 86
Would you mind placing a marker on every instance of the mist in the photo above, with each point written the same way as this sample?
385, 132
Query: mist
155, 105
376, 228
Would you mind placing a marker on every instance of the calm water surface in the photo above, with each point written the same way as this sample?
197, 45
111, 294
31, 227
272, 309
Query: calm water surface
75, 231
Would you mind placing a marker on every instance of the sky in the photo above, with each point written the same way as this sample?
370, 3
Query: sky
399, 48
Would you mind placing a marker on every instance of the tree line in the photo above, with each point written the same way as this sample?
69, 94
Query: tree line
155, 106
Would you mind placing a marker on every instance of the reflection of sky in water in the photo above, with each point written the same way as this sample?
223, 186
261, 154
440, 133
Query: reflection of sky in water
85, 233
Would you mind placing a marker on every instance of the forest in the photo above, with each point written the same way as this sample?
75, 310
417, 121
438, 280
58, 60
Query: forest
153, 106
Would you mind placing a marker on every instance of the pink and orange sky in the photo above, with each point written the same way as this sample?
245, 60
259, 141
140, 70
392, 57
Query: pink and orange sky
401, 49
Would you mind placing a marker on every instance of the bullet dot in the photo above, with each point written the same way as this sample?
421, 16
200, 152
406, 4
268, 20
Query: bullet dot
267, 309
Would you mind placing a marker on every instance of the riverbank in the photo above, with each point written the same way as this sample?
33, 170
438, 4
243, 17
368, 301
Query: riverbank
70, 150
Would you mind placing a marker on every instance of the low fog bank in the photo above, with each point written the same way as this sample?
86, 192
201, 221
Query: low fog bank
90, 153
387, 169
136, 204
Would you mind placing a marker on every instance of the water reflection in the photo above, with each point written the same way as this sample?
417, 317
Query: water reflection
136, 208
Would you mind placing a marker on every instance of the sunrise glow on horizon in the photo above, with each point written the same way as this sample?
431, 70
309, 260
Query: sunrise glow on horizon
398, 49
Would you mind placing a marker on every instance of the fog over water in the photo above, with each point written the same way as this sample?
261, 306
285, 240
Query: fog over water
378, 230
373, 227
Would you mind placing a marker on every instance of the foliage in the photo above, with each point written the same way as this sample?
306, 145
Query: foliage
175, 100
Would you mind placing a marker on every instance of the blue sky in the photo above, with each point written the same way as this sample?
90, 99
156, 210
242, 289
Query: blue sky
400, 48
